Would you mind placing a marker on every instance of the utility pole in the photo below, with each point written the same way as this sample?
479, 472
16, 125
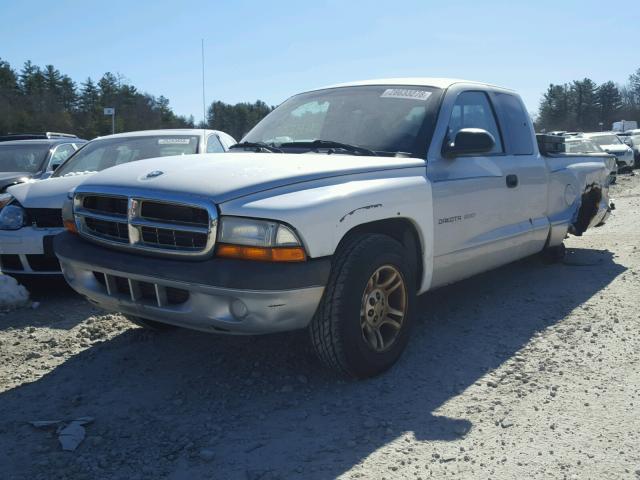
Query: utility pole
204, 104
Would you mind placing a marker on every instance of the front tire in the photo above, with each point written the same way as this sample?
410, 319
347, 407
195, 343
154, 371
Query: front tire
363, 321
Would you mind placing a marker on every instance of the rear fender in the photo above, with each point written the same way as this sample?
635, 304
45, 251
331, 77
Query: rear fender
578, 198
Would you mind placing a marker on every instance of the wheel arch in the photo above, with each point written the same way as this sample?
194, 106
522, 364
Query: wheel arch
401, 229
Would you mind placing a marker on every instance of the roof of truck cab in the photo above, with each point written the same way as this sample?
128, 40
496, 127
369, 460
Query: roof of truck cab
417, 81
167, 131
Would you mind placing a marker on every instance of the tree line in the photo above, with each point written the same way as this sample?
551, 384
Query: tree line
44, 99
582, 105
236, 119
38, 99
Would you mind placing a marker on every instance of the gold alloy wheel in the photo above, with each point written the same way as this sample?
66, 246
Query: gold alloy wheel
383, 308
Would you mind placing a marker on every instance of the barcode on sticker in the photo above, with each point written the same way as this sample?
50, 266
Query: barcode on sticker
173, 141
408, 93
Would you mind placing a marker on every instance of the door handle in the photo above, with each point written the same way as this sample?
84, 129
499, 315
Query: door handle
512, 181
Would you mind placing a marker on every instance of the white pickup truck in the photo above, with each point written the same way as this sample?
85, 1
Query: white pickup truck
332, 214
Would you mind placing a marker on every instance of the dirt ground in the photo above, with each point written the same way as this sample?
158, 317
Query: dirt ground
530, 371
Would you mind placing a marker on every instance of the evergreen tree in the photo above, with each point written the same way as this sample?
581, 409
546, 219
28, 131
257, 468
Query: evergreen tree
634, 88
8, 78
9, 97
609, 101
554, 113
583, 106
236, 119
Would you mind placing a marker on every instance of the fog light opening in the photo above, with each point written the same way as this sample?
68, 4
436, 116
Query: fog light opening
238, 309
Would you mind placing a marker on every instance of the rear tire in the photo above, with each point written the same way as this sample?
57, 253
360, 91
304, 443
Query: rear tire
363, 321
150, 324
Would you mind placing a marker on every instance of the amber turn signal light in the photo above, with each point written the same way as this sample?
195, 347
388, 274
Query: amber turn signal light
70, 226
265, 254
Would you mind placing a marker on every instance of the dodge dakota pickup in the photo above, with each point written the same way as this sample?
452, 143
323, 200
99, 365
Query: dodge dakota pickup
331, 214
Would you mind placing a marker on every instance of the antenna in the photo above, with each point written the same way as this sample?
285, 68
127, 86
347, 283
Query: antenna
204, 105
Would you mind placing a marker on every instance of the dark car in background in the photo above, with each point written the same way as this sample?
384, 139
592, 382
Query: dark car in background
27, 156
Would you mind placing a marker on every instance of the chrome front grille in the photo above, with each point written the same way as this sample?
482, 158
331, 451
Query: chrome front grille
171, 226
116, 231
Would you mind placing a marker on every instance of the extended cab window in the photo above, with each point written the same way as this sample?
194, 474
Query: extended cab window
473, 110
515, 121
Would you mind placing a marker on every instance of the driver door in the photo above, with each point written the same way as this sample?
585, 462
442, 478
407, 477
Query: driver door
477, 222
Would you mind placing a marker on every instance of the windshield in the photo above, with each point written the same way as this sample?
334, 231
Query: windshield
23, 158
109, 152
603, 140
385, 119
582, 146
635, 139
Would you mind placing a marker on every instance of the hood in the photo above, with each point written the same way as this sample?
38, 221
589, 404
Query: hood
225, 176
9, 178
615, 148
49, 193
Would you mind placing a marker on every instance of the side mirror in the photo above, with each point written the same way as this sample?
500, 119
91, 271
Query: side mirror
469, 141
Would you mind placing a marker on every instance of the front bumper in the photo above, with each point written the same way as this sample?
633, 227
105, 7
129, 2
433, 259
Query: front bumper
215, 295
28, 251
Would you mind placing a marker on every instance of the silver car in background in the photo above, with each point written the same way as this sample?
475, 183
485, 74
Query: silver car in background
632, 139
580, 144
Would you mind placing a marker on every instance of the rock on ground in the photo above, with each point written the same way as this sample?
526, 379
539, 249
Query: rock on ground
12, 294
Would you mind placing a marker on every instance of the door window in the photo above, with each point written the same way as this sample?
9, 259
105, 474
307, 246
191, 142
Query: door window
214, 145
473, 110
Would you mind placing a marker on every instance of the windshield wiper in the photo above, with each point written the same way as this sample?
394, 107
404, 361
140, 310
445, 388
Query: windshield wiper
259, 146
330, 144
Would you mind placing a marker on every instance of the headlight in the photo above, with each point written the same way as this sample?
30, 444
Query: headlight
252, 239
5, 199
256, 233
12, 217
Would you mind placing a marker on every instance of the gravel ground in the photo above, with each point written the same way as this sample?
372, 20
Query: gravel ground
530, 371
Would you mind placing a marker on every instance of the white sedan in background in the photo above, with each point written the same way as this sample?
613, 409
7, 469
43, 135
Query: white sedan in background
31, 212
611, 143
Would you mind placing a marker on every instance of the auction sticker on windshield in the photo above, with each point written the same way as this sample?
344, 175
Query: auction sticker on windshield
406, 93
173, 141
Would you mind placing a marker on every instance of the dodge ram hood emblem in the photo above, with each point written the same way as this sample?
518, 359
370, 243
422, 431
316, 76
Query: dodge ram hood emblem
154, 174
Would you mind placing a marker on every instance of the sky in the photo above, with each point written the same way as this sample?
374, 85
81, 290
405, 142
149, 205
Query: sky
272, 50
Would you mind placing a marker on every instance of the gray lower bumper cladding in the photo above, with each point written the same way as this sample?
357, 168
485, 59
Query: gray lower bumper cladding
191, 305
